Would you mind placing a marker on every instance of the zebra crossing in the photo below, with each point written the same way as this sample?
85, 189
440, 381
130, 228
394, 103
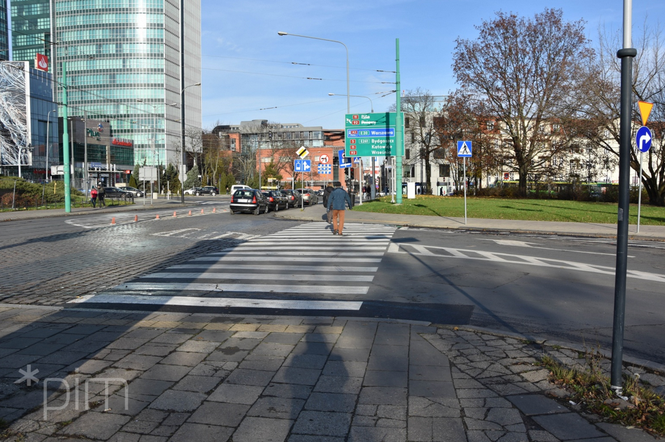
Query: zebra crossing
301, 268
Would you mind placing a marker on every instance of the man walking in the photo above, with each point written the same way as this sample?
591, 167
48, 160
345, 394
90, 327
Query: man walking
337, 200
326, 196
101, 194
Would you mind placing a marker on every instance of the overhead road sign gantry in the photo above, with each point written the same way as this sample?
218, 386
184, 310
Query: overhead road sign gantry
370, 135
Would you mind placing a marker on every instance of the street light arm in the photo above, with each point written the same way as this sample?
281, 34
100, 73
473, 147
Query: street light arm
348, 99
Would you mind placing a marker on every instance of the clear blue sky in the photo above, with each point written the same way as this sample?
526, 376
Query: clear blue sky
248, 67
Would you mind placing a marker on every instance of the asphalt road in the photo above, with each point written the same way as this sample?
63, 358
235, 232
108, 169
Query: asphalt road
546, 286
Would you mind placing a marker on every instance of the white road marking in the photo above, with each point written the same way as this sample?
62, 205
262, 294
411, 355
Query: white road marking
226, 258
507, 242
180, 232
505, 258
257, 288
192, 301
258, 276
284, 267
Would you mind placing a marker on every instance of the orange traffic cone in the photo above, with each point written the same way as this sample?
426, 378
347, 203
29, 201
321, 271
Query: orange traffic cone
113, 221
190, 213
136, 218
201, 211
174, 214
157, 217
214, 210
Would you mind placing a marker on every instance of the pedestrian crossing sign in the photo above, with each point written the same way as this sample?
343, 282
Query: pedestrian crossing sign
464, 149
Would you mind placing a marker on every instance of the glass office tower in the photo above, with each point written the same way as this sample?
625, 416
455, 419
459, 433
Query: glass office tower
122, 61
31, 29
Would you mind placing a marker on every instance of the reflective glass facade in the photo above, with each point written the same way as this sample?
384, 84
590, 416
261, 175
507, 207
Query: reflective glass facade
31, 29
123, 66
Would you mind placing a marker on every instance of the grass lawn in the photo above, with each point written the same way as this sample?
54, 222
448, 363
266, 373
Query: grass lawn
519, 209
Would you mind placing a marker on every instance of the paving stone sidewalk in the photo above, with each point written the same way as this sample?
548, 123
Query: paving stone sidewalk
128, 376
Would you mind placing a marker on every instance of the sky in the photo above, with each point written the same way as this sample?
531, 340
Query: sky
250, 72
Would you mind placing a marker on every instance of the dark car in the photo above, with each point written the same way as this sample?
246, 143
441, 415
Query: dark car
292, 197
248, 200
309, 196
206, 190
276, 200
116, 193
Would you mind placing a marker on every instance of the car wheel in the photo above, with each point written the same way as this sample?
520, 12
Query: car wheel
197, 194
213, 194
231, 212
276, 207
265, 209
257, 210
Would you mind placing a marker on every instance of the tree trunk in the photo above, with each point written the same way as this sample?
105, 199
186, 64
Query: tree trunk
428, 177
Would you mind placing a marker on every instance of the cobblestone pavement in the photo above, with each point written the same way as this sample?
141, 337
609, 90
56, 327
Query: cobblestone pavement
53, 269
185, 377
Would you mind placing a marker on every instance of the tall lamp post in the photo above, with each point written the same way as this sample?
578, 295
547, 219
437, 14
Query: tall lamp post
182, 139
348, 92
48, 138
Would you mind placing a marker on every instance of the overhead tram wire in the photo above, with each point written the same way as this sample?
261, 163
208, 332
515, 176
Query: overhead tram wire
298, 63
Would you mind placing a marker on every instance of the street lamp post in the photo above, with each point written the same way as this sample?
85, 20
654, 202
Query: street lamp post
348, 91
48, 120
182, 139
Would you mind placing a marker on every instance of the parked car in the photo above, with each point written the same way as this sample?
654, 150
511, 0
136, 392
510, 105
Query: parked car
191, 191
248, 200
207, 190
117, 194
238, 187
309, 196
276, 200
292, 197
133, 190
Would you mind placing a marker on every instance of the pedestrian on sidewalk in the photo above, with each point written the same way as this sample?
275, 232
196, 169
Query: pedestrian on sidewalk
93, 196
101, 194
326, 196
336, 201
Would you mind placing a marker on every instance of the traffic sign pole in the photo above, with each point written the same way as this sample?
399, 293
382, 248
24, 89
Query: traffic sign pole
639, 196
399, 135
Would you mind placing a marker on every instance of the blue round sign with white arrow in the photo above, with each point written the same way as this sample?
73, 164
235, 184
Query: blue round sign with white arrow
643, 138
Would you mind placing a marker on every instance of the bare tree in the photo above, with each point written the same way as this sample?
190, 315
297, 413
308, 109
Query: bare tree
525, 69
602, 110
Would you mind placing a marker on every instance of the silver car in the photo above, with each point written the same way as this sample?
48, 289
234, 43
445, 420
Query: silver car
309, 197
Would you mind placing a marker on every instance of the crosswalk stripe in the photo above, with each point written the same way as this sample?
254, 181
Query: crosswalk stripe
260, 288
257, 276
299, 253
272, 259
326, 249
193, 301
288, 267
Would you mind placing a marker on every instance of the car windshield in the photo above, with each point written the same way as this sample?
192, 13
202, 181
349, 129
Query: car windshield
244, 193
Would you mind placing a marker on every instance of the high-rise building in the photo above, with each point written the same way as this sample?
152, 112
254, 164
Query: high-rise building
31, 29
4, 31
122, 61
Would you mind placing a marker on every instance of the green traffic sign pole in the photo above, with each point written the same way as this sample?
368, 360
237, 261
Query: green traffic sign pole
65, 140
399, 135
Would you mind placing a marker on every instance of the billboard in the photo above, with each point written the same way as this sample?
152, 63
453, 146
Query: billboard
14, 122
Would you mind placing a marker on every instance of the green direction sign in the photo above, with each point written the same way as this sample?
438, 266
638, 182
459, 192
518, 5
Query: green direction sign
370, 135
